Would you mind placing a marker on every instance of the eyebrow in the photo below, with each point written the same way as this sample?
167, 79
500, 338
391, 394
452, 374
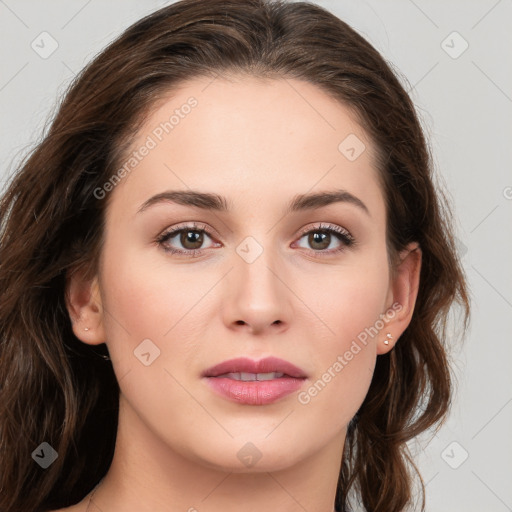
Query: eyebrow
211, 201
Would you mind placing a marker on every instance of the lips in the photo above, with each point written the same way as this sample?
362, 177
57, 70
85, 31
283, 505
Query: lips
249, 382
246, 365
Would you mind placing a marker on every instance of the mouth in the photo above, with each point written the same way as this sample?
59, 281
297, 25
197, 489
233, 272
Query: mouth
243, 368
249, 377
250, 382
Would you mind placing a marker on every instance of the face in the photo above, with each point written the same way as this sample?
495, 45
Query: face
269, 275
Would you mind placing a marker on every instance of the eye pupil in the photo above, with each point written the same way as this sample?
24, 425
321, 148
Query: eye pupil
195, 238
319, 237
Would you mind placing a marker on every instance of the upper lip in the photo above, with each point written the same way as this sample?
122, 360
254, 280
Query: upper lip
244, 364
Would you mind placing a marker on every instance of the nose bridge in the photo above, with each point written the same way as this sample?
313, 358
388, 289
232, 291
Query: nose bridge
257, 294
256, 264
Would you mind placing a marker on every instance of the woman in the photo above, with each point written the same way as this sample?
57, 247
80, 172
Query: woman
225, 275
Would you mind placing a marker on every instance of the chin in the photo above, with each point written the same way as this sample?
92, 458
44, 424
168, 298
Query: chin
244, 456
272, 463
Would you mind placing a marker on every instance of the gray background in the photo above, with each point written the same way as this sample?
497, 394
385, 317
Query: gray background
465, 102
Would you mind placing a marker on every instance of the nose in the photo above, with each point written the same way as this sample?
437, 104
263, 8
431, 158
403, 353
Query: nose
257, 297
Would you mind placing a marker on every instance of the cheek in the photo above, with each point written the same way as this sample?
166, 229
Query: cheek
149, 298
349, 304
348, 300
148, 293
344, 365
141, 301
331, 400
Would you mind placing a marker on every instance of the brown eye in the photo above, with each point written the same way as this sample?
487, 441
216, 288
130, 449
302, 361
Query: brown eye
194, 238
187, 240
190, 239
319, 239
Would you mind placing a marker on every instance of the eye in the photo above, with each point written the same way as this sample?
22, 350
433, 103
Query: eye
321, 237
190, 237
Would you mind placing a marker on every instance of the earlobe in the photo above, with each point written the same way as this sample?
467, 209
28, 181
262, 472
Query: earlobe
403, 293
83, 302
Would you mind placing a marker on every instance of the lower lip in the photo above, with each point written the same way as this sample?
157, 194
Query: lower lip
254, 392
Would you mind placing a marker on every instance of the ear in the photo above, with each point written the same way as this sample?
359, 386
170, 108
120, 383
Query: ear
402, 294
83, 302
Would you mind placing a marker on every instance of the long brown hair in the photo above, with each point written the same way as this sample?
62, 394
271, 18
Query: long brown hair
56, 389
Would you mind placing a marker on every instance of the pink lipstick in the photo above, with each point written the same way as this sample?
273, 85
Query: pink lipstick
250, 382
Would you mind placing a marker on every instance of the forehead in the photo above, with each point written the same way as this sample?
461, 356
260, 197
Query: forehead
248, 138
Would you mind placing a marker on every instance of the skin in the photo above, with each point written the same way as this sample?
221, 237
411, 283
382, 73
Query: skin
258, 143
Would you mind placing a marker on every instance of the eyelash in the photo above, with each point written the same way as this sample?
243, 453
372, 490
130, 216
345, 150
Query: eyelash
341, 234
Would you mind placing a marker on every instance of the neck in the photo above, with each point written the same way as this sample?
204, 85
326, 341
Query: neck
146, 475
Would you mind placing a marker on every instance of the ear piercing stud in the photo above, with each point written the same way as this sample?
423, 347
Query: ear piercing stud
388, 339
107, 358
